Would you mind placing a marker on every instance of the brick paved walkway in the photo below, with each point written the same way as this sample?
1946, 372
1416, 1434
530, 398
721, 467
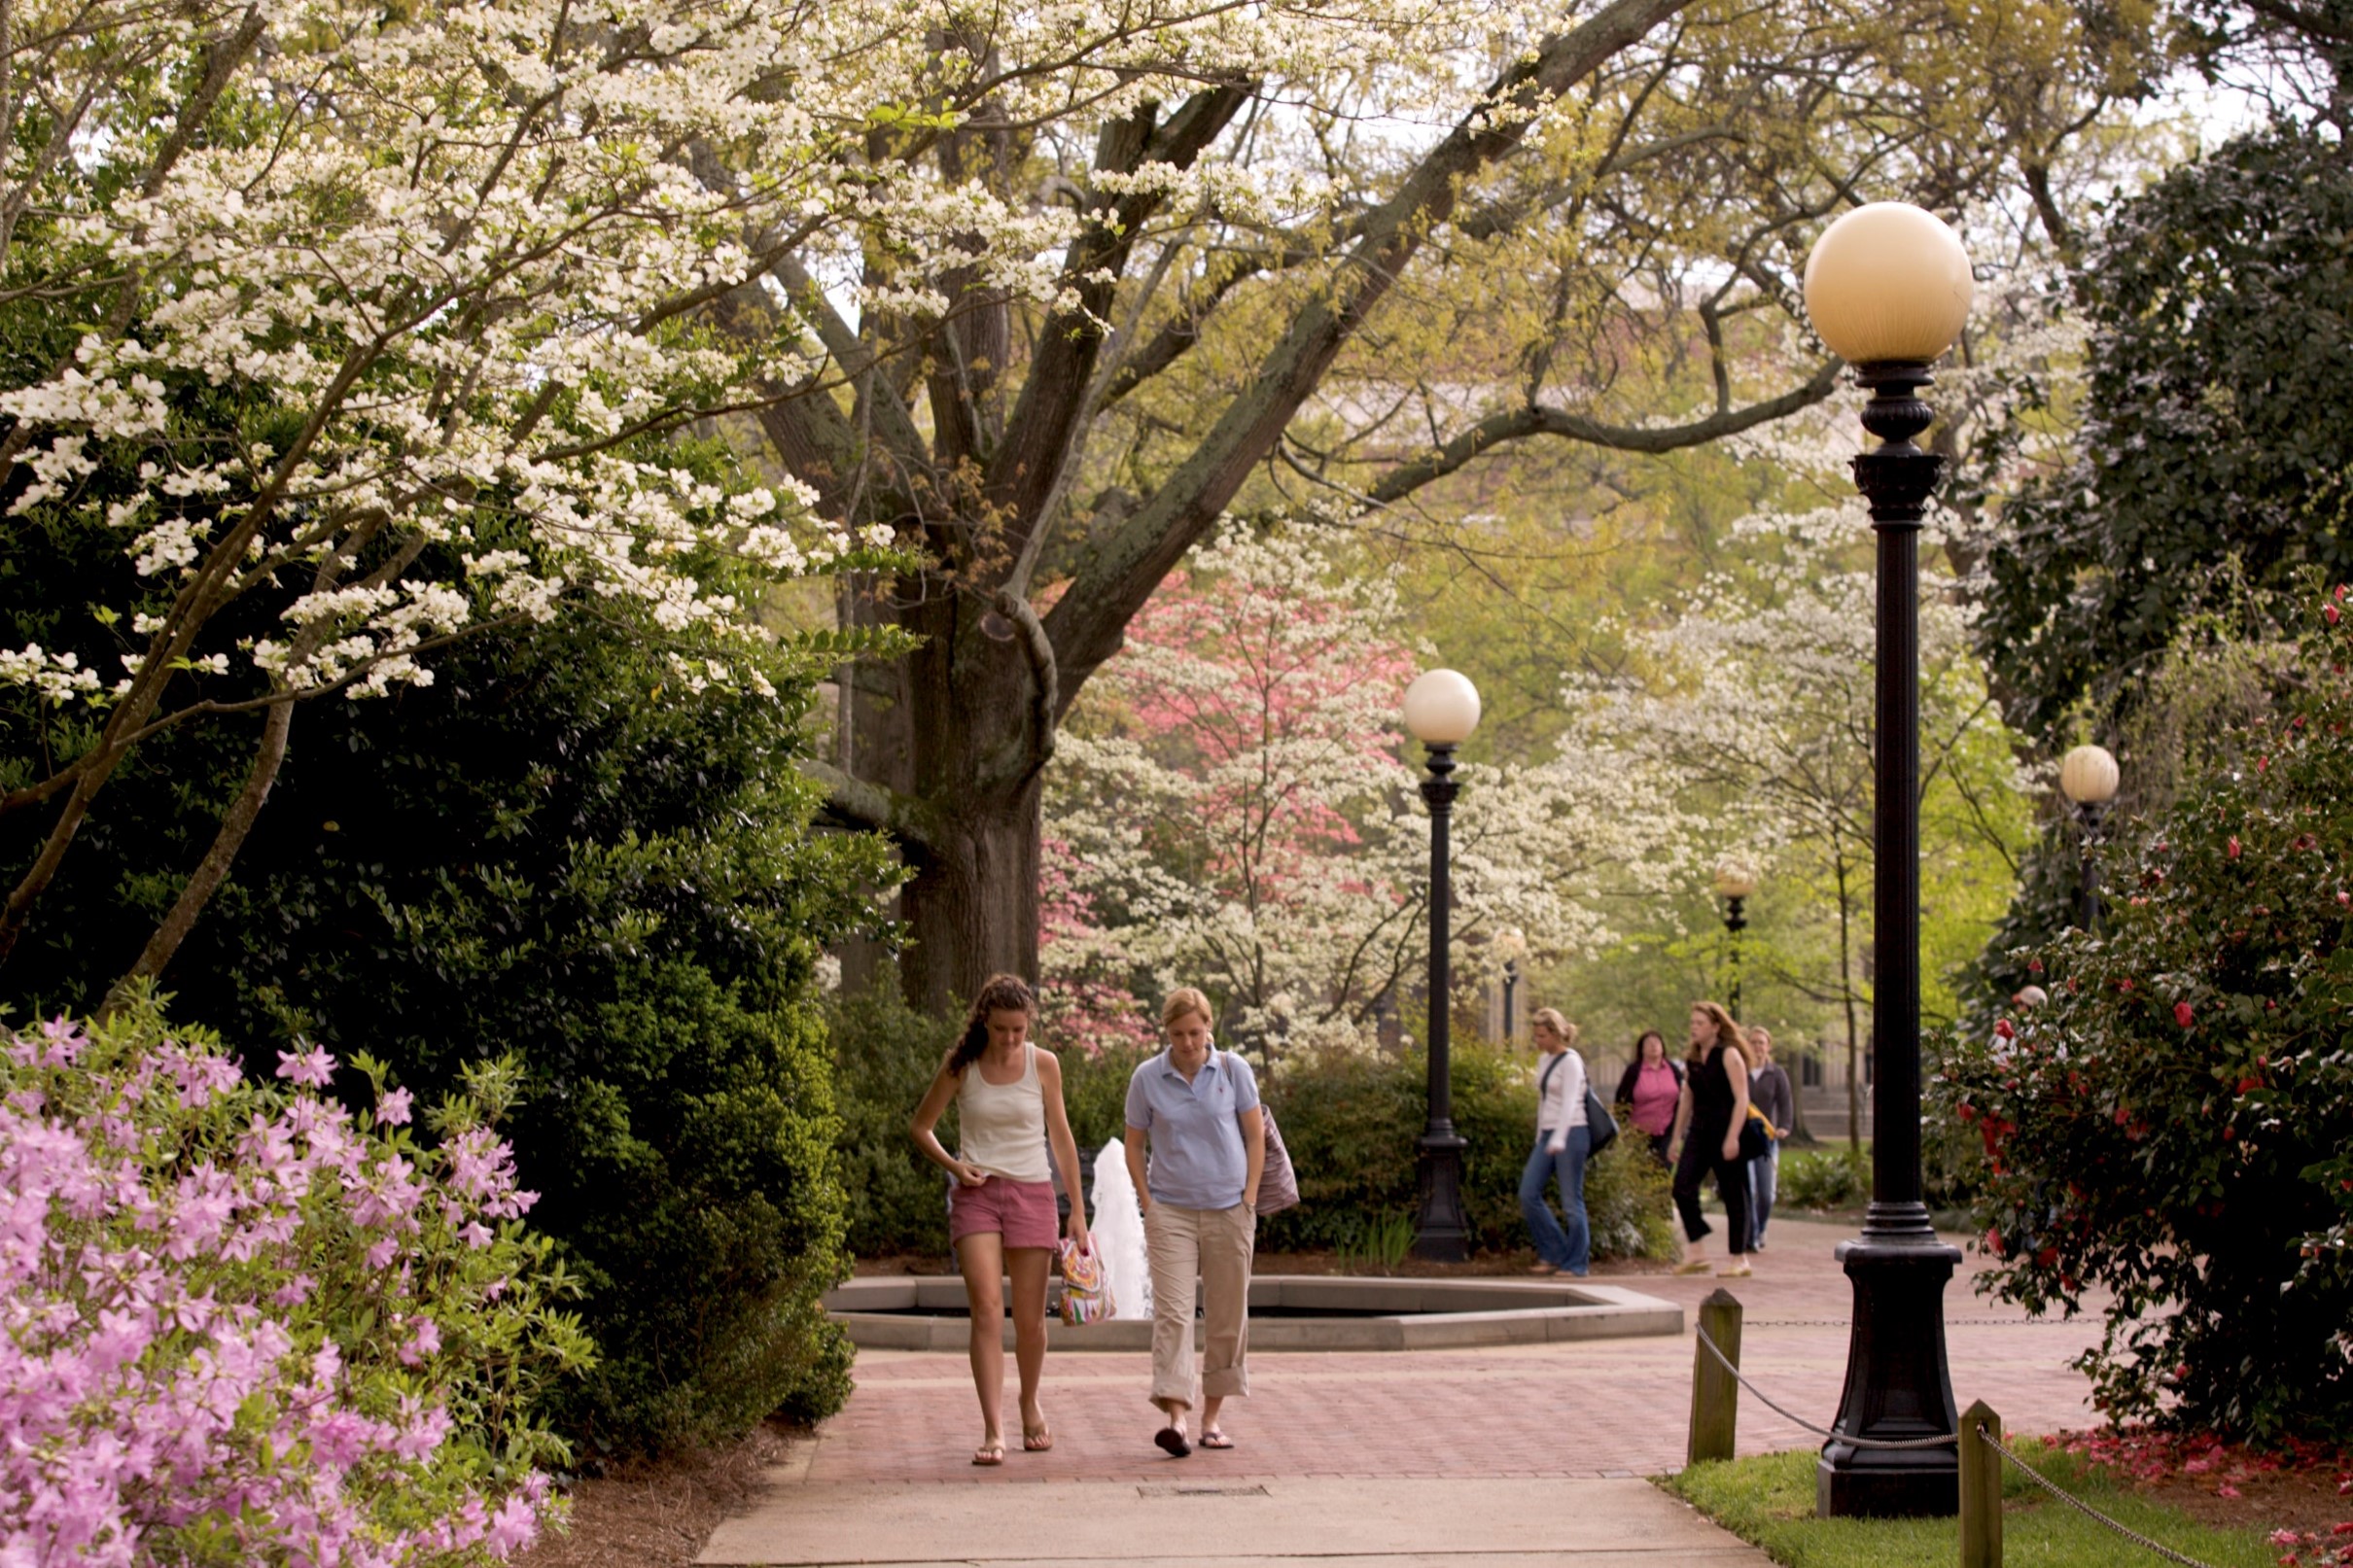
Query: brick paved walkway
1609, 1408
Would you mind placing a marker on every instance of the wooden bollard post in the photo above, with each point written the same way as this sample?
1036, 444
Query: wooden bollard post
1981, 1488
1715, 1395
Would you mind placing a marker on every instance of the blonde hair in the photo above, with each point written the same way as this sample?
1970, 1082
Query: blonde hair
1728, 1032
1560, 1026
1182, 1001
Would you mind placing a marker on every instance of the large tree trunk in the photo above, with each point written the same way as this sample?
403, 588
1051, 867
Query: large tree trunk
971, 908
965, 725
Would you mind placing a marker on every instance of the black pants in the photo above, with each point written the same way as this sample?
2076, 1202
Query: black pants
1699, 1157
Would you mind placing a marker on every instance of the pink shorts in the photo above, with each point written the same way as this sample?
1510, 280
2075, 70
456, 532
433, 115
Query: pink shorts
1022, 1212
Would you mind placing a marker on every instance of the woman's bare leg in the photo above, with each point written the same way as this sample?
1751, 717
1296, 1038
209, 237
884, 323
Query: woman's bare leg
982, 1257
1028, 1267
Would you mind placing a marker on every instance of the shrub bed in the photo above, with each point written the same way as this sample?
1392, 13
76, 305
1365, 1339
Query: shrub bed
1353, 1122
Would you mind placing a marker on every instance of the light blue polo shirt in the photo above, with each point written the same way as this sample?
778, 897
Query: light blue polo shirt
1198, 1161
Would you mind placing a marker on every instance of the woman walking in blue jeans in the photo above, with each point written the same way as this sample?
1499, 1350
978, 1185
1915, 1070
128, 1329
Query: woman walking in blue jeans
1564, 1246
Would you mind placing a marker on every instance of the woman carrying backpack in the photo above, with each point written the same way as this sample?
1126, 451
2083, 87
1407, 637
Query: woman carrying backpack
1566, 1244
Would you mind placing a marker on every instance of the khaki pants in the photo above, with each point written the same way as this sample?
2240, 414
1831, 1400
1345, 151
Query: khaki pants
1214, 1245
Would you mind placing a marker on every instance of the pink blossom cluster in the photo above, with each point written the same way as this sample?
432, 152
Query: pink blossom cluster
240, 1327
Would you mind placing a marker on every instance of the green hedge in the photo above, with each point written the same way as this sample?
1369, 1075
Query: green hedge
1352, 1121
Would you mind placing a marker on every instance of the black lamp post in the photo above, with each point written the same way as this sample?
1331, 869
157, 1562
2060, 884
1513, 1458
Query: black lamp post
1441, 710
1511, 942
1889, 289
1735, 884
2088, 778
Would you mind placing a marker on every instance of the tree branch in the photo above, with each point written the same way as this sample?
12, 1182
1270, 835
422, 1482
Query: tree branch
1120, 570
1519, 424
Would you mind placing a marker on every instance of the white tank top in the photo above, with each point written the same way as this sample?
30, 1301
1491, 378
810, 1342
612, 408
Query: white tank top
1002, 1127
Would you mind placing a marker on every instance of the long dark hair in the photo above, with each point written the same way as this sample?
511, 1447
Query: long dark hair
1728, 1032
1649, 1034
1001, 994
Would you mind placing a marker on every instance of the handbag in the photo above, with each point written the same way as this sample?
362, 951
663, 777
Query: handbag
1086, 1296
1278, 1182
1601, 1126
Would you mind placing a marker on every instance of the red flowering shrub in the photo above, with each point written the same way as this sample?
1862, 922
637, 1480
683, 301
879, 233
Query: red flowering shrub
2176, 1124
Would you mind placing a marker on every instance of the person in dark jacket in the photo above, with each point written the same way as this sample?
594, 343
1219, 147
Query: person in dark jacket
1769, 1091
1649, 1088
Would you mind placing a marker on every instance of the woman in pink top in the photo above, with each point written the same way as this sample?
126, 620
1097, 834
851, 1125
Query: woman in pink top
1649, 1088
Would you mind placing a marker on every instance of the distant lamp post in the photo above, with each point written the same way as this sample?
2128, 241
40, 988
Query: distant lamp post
1889, 289
1512, 943
1441, 710
1735, 884
2088, 778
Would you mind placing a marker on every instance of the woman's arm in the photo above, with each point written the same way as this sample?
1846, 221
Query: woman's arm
1065, 1145
1572, 1093
1254, 1150
927, 1117
1135, 1151
1682, 1114
1736, 1067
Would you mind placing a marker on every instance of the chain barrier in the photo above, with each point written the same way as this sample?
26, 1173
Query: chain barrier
1945, 1442
1950, 1323
2086, 1509
1985, 1436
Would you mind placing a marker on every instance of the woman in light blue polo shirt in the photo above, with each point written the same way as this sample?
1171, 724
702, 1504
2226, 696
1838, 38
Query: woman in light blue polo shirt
1196, 1108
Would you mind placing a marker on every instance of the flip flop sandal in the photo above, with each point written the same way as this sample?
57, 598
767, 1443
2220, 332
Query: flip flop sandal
1037, 1442
1215, 1438
992, 1453
1171, 1440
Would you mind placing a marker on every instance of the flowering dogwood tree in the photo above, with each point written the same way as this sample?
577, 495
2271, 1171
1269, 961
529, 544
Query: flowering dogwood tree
1233, 808
239, 1325
1759, 691
355, 330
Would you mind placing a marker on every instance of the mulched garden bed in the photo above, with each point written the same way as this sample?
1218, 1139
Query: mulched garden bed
658, 1513
2302, 1493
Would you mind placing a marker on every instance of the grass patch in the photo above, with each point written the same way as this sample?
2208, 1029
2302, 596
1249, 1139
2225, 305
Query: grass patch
1768, 1501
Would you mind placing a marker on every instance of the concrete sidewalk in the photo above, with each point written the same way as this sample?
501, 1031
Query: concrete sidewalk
1197, 1521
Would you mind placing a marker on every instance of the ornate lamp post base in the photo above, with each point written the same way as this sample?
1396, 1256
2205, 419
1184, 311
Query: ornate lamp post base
1897, 1386
1443, 1232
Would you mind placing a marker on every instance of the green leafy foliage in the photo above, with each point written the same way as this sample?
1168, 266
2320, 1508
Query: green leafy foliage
2222, 364
535, 856
1353, 1122
2171, 1126
1828, 1177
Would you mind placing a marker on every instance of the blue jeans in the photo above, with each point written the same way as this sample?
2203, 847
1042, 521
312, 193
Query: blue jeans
1764, 1186
1565, 1247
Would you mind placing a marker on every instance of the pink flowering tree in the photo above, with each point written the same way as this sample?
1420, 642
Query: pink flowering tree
1234, 807
245, 1326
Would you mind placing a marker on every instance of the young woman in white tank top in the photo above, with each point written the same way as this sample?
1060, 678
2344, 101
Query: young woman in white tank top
1001, 1217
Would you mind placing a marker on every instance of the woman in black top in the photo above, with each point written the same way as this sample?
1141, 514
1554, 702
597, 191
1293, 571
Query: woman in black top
1708, 1125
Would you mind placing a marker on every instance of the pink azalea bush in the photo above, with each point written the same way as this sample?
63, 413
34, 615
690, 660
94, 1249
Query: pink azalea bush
243, 1326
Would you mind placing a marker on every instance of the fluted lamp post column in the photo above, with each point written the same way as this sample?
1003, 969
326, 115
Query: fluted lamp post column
1735, 884
1441, 710
1512, 943
2088, 778
1889, 289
